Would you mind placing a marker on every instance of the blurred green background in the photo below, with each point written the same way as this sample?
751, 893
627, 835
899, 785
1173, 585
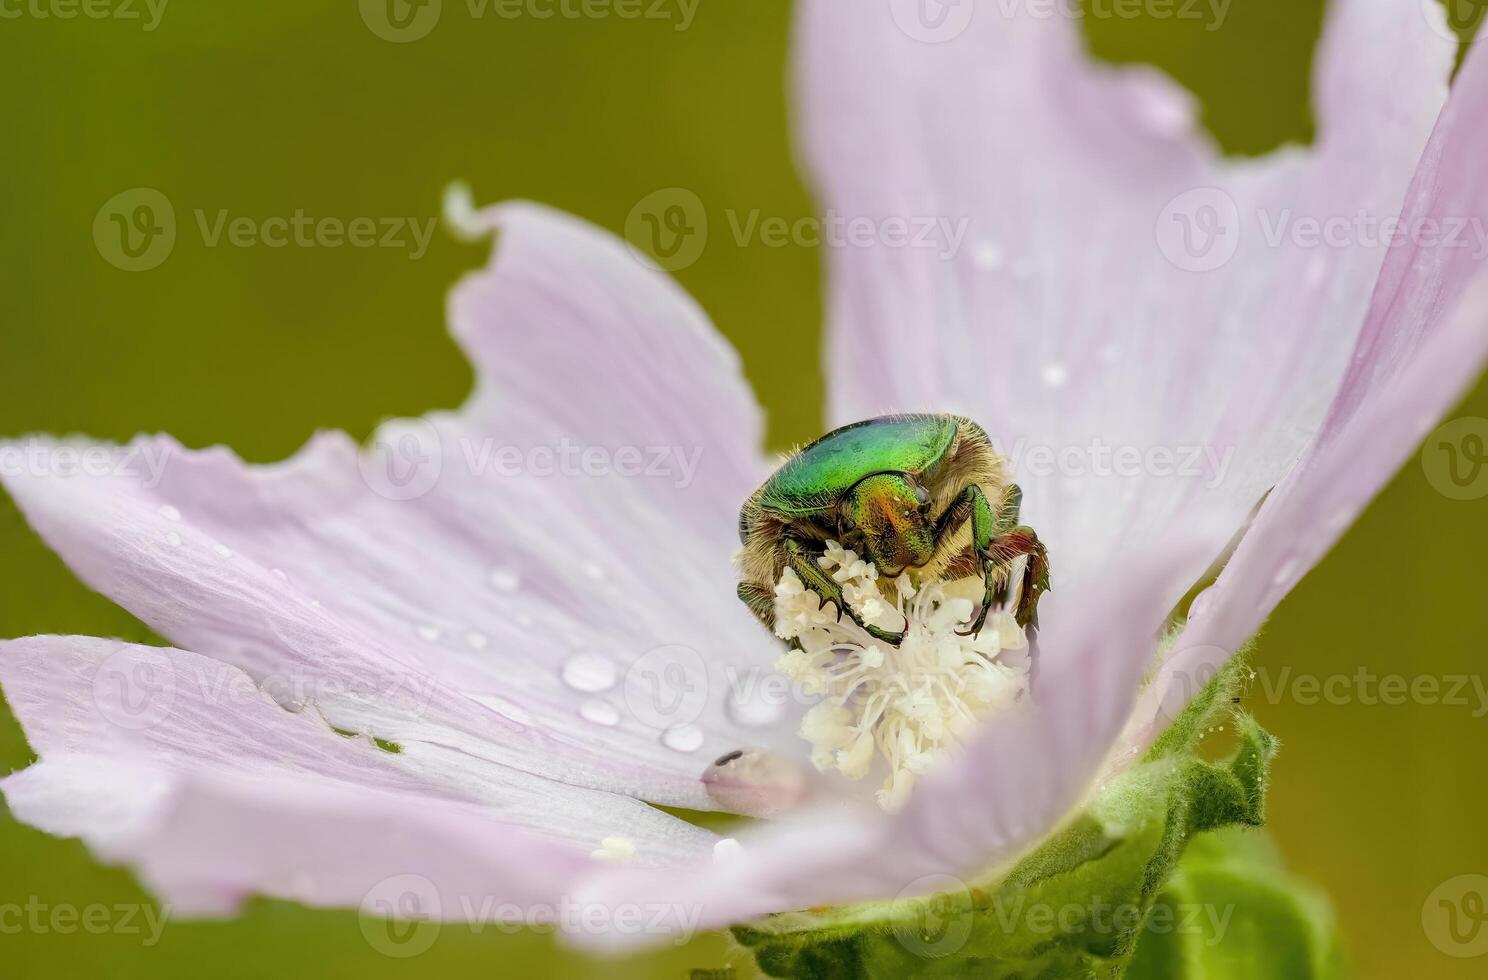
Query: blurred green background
267, 107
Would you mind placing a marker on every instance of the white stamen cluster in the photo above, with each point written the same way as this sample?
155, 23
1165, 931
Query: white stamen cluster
910, 703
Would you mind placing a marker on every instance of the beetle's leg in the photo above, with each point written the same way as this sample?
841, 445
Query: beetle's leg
998, 539
803, 562
972, 504
1023, 540
761, 602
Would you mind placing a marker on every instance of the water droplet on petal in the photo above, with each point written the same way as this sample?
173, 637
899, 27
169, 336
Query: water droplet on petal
988, 257
173, 539
223, 550
1055, 375
476, 640
522, 619
600, 712
683, 738
1201, 603
279, 574
1317, 270
170, 513
429, 632
755, 783
726, 850
1286, 575
590, 672
594, 571
614, 849
504, 579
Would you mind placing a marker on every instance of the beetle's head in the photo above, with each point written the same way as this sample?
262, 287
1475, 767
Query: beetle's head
891, 513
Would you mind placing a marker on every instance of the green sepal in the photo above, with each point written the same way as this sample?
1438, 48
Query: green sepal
1076, 906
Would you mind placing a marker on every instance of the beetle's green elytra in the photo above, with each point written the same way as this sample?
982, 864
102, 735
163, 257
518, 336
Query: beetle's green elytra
925, 494
815, 479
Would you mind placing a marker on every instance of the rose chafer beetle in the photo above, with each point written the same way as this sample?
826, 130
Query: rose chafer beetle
920, 493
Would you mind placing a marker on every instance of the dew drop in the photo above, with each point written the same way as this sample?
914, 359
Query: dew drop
504, 579
1054, 375
1317, 270
590, 672
594, 571
278, 573
726, 850
600, 712
429, 632
988, 257
476, 640
1286, 575
755, 782
522, 619
683, 738
173, 539
223, 550
170, 513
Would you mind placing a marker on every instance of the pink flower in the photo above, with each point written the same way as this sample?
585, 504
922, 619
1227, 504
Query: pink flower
1103, 285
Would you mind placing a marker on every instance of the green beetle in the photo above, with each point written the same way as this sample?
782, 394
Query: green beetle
921, 493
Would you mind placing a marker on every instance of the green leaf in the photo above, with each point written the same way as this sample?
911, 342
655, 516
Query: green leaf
1094, 897
1230, 912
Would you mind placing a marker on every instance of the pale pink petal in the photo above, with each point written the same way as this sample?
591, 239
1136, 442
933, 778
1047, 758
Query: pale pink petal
146, 752
1071, 318
1423, 345
205, 842
448, 589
